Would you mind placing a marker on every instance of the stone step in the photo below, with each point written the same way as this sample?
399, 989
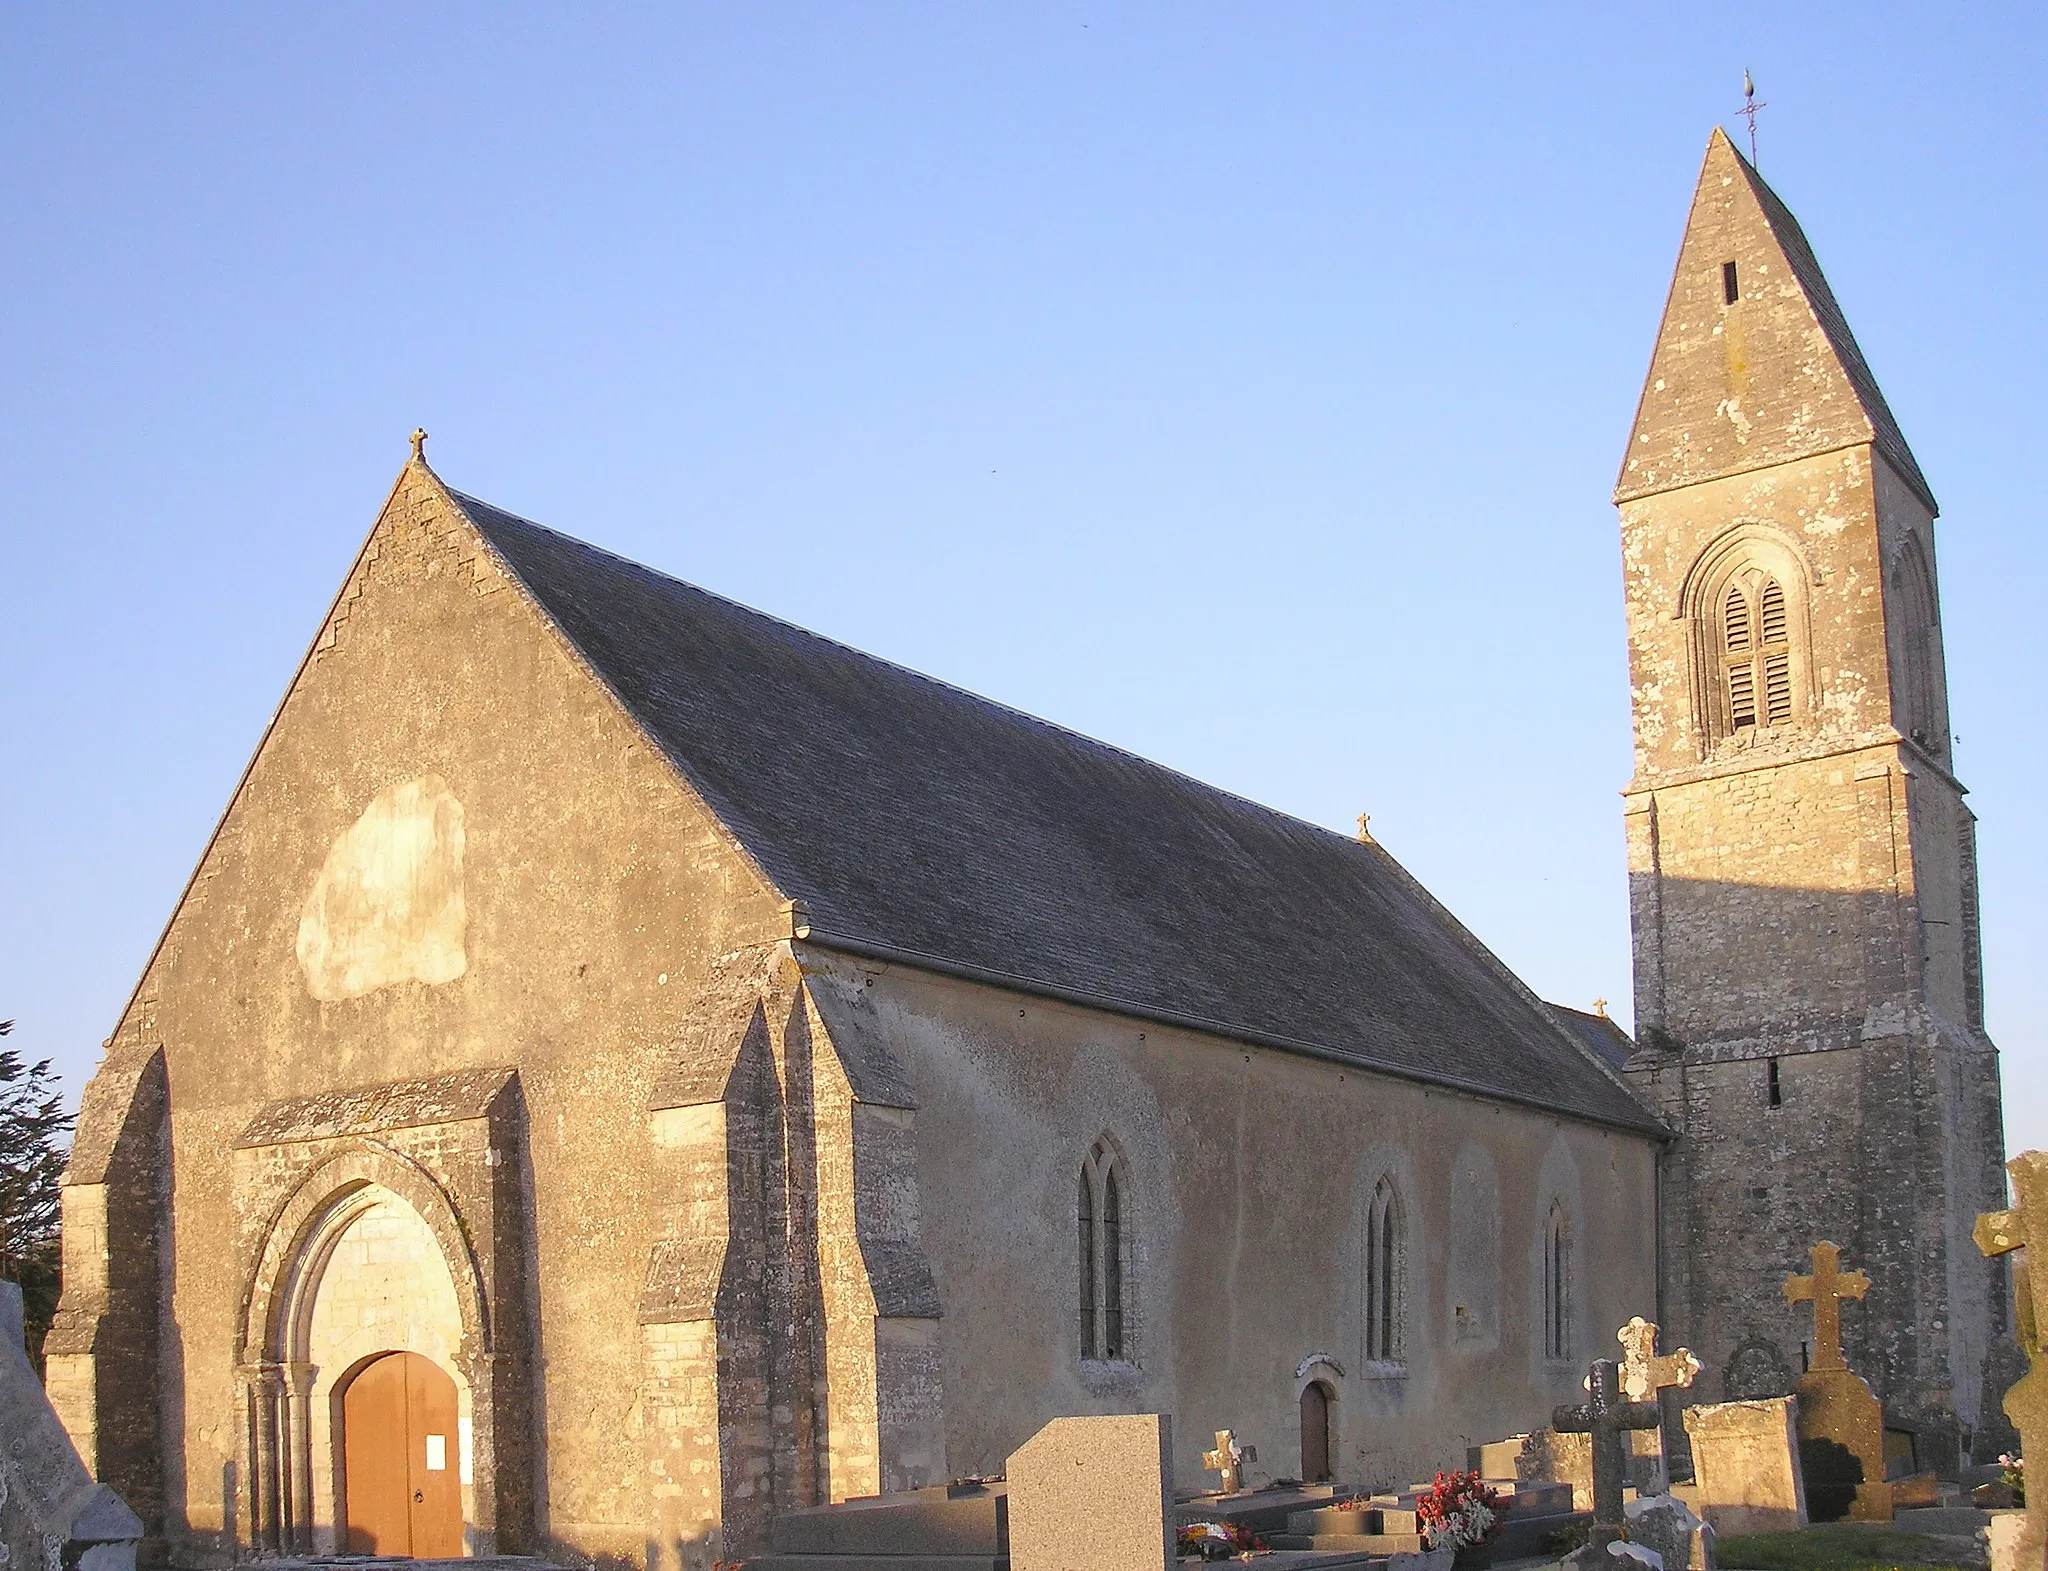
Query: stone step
1264, 1511
1942, 1521
944, 1520
1523, 1537
1533, 1496
1350, 1543
775, 1562
1342, 1523
404, 1563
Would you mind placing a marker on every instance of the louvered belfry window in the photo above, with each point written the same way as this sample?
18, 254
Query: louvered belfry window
1756, 653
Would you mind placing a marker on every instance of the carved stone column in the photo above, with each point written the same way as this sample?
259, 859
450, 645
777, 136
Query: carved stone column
297, 1430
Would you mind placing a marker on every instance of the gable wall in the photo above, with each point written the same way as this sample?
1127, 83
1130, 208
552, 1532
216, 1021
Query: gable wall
587, 876
1250, 1172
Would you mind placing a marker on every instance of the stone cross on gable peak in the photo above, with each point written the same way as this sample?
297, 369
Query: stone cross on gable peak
1228, 1459
1825, 1289
1643, 1372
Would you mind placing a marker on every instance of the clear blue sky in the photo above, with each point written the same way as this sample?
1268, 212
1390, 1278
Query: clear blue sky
1243, 385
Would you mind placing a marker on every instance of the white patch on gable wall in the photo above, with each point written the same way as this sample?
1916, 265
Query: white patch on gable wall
388, 907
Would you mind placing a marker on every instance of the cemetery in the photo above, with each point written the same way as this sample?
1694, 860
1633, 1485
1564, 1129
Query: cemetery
1638, 1475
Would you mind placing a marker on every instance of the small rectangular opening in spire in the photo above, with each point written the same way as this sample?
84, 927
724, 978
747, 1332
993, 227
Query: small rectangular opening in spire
1730, 290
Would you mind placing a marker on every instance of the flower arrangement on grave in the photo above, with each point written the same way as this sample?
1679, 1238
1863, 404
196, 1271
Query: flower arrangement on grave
1457, 1511
1216, 1541
2014, 1473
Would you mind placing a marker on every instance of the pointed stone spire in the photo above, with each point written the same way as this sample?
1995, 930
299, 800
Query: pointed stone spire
1755, 364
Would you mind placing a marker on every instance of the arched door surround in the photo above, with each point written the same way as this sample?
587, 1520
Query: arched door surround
296, 1416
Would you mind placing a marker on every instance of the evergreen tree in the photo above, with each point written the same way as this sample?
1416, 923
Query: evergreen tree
32, 1154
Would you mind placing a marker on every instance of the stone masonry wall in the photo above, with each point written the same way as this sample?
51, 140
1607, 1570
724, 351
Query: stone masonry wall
595, 899
1802, 894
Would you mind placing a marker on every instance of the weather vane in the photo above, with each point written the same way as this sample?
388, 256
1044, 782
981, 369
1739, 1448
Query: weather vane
1749, 108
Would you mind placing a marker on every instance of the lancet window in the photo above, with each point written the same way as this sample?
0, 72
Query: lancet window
1383, 1276
1557, 1286
1101, 1215
1918, 683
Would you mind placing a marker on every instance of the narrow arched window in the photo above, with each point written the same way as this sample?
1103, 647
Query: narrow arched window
1917, 707
1756, 653
1383, 1276
1557, 1286
1087, 1212
1101, 1215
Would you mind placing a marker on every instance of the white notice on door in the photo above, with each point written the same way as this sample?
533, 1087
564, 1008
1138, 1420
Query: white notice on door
437, 1453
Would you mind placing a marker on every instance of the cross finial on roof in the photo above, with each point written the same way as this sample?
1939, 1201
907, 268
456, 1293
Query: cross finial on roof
1364, 833
1600, 1007
1749, 108
419, 444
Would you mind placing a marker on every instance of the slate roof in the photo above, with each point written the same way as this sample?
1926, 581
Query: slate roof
1598, 1032
1886, 436
918, 821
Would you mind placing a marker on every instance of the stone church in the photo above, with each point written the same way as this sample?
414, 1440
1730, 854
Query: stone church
626, 1066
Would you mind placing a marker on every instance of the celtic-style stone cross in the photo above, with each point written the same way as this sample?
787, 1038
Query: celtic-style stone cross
1825, 1289
1606, 1417
1643, 1373
1228, 1459
2026, 1404
1645, 1377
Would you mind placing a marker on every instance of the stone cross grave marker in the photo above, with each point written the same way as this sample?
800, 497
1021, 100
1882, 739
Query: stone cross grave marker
1606, 1417
2026, 1404
1835, 1404
1228, 1459
1825, 1289
1645, 1376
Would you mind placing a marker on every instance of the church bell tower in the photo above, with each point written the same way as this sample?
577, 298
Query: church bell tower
1802, 865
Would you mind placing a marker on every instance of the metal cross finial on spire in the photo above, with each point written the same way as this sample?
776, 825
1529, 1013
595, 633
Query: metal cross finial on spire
1749, 108
419, 444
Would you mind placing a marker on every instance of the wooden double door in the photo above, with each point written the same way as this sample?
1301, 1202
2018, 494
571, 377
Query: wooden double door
401, 1454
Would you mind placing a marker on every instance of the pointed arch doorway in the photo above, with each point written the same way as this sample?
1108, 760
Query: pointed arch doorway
400, 1446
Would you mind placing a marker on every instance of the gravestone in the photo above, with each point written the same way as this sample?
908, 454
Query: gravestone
1745, 1461
1548, 1457
1093, 1494
2022, 1544
1667, 1525
1229, 1459
51, 1511
1647, 1377
1607, 1418
1841, 1422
